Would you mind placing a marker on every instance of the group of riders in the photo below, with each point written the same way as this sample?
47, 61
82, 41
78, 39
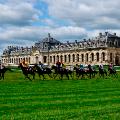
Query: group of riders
82, 67
61, 65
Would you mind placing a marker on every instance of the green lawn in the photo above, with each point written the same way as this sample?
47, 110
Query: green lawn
95, 99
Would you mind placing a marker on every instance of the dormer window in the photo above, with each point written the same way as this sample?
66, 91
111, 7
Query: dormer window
116, 43
110, 44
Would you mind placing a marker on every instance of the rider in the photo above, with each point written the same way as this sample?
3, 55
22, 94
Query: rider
111, 66
24, 64
58, 65
81, 67
101, 66
89, 67
41, 65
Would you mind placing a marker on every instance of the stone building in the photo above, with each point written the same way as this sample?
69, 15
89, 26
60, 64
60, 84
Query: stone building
105, 49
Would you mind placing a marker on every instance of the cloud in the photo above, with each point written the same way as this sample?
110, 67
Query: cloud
93, 14
18, 13
24, 22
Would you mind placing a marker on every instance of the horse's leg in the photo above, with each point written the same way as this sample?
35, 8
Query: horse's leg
33, 75
67, 76
71, 75
55, 75
2, 76
43, 76
61, 76
28, 77
90, 75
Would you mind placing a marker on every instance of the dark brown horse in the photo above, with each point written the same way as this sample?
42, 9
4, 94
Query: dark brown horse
61, 72
27, 71
43, 72
3, 71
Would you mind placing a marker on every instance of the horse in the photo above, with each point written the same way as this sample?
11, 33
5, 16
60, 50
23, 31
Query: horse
79, 72
61, 71
3, 71
26, 71
112, 71
43, 71
91, 71
102, 72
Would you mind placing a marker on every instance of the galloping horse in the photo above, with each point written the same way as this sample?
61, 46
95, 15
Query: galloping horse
112, 72
42, 72
27, 71
79, 72
2, 72
102, 72
61, 72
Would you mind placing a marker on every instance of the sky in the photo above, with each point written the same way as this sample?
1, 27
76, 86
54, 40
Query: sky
24, 22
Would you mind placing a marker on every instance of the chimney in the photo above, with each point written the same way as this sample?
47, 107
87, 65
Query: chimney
75, 41
48, 35
100, 35
106, 33
115, 34
67, 42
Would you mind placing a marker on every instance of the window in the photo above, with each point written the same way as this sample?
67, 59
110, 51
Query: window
29, 59
57, 57
65, 58
86, 57
69, 58
45, 59
51, 59
92, 57
110, 57
61, 58
73, 56
103, 56
54, 59
97, 55
82, 55
77, 57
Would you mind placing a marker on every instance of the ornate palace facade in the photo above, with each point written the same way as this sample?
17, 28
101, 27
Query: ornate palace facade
105, 48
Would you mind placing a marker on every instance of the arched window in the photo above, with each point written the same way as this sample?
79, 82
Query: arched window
54, 59
29, 60
12, 60
57, 57
110, 43
82, 56
61, 58
92, 57
116, 43
73, 57
65, 58
110, 57
103, 56
86, 57
45, 59
51, 59
69, 57
77, 57
97, 55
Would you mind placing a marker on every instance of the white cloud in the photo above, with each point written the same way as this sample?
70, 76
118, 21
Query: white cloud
86, 13
17, 13
83, 18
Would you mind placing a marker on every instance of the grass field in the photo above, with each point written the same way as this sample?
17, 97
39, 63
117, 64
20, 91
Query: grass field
95, 99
